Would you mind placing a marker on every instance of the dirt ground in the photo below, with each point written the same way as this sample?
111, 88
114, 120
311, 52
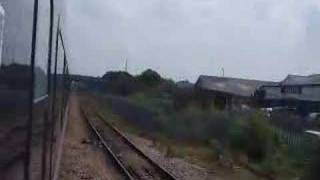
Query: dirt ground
80, 159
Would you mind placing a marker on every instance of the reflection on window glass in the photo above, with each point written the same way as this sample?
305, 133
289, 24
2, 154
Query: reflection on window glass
15, 76
2, 16
42, 49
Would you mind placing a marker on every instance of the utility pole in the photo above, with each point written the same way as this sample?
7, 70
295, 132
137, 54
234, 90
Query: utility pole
126, 65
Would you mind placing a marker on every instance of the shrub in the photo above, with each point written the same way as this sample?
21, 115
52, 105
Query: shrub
150, 78
195, 124
252, 136
238, 136
120, 83
260, 137
313, 173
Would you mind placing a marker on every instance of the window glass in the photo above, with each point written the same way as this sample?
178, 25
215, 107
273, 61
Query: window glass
2, 18
40, 131
16, 17
41, 63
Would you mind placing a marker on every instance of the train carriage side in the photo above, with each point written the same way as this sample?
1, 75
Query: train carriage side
33, 96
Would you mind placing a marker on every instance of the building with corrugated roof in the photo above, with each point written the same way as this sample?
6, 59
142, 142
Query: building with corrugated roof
295, 91
227, 92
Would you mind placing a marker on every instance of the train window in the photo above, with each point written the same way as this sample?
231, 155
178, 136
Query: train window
40, 141
16, 19
26, 114
41, 63
60, 68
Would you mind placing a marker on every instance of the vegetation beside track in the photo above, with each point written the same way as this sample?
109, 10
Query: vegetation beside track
209, 137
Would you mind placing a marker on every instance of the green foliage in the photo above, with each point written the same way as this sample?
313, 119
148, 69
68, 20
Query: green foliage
120, 83
238, 136
279, 162
124, 84
260, 135
195, 153
183, 98
245, 133
156, 104
195, 124
313, 172
252, 135
162, 110
150, 78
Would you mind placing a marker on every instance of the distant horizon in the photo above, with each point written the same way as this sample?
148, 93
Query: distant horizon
135, 74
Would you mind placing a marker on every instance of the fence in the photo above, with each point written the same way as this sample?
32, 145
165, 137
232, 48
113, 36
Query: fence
300, 146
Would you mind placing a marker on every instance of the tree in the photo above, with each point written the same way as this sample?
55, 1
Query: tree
150, 78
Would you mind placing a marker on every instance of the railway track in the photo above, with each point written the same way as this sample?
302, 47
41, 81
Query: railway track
130, 160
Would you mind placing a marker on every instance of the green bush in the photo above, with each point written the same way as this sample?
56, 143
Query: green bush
196, 124
238, 136
245, 133
260, 137
252, 136
120, 83
150, 78
312, 172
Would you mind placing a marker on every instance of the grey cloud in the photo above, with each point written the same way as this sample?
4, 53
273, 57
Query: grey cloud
261, 39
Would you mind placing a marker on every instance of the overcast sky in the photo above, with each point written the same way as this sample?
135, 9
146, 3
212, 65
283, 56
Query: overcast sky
181, 39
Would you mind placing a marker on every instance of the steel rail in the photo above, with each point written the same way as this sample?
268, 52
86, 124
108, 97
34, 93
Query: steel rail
115, 159
136, 149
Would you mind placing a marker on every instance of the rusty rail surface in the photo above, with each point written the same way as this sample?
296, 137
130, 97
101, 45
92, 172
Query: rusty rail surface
153, 169
114, 158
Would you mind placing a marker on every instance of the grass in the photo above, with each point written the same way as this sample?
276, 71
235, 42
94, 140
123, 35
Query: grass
196, 153
117, 121
202, 155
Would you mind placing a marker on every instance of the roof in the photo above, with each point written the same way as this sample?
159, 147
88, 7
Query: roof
236, 86
185, 85
311, 94
301, 80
